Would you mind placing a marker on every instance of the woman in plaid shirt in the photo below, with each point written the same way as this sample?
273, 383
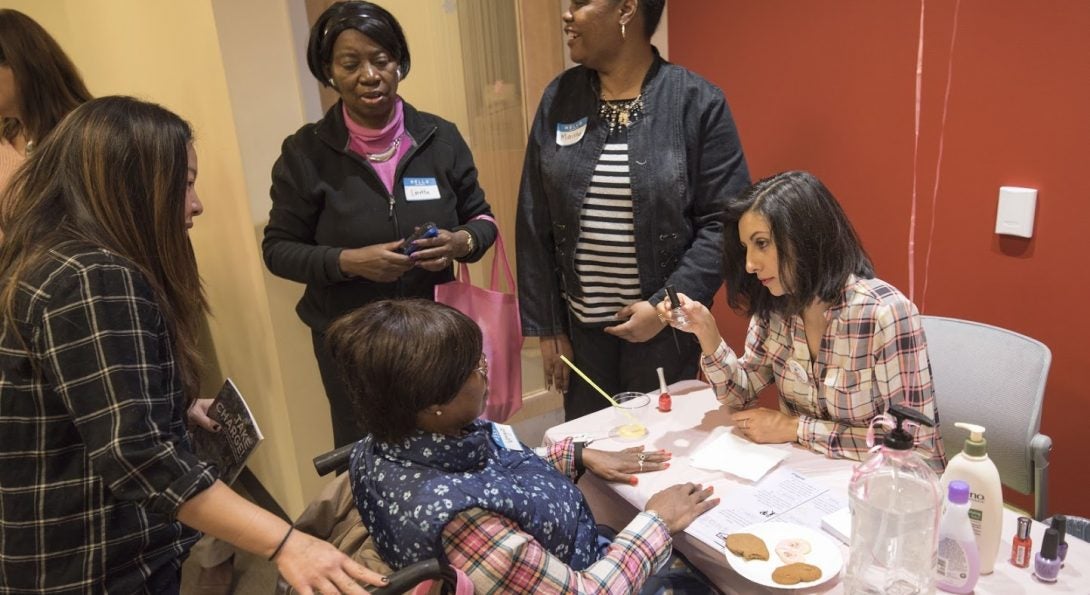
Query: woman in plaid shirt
100, 491
840, 344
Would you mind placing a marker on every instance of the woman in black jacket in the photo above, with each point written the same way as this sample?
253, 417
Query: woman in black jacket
348, 189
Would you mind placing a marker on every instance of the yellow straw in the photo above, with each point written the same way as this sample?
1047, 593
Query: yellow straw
599, 389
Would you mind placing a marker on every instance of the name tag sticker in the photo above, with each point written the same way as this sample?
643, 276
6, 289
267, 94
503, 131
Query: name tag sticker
569, 134
421, 189
504, 437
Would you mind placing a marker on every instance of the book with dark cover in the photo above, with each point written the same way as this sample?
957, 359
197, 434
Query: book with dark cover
237, 438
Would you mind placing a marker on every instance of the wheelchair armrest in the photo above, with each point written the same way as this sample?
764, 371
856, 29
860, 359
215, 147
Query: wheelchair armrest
334, 460
414, 574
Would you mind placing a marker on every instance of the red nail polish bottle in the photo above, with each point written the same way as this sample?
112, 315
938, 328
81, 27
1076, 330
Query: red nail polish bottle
665, 402
1022, 547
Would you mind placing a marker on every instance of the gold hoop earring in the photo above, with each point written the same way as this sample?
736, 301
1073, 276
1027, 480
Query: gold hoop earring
622, 31
332, 83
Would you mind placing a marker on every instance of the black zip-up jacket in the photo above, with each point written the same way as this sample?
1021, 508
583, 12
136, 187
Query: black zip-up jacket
685, 162
327, 198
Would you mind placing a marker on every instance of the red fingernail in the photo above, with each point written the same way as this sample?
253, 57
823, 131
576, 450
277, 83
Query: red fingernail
711, 489
633, 480
666, 465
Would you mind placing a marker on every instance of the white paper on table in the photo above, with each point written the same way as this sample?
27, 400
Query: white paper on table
784, 495
730, 453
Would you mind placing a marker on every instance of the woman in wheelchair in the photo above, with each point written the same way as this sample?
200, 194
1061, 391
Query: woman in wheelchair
431, 480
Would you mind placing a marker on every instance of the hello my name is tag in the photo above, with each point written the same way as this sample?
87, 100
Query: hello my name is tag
504, 437
569, 134
421, 189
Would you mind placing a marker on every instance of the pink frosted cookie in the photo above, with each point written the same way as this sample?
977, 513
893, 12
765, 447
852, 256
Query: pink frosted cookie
792, 550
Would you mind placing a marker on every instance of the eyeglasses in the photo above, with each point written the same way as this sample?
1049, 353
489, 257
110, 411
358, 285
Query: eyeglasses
483, 367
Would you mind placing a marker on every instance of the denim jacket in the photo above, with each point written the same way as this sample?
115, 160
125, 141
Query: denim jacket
685, 160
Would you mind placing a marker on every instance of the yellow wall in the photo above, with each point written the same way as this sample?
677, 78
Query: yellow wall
168, 52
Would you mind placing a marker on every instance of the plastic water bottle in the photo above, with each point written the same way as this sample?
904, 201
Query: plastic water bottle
895, 502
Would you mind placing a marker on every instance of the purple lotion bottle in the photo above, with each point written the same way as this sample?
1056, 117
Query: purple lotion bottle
1046, 564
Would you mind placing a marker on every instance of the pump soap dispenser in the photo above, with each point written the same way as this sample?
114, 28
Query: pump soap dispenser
973, 466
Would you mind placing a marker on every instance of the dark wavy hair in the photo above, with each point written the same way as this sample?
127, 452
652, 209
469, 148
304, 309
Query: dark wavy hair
400, 357
112, 174
370, 19
817, 246
48, 83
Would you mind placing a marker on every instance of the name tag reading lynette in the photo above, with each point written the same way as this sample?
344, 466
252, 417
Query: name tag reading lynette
421, 189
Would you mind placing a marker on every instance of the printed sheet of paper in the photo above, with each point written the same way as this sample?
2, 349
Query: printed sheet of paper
783, 495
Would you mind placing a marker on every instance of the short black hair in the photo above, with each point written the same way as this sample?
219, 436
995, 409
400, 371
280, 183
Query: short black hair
370, 19
817, 246
400, 357
652, 14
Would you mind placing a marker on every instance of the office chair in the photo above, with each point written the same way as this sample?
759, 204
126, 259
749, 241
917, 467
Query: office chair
995, 378
333, 514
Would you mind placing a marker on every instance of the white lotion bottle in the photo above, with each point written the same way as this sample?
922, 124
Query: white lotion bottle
973, 466
958, 561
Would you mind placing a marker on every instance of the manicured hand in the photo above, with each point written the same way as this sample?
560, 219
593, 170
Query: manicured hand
556, 371
766, 426
436, 254
699, 321
381, 263
641, 323
679, 505
620, 466
198, 415
311, 566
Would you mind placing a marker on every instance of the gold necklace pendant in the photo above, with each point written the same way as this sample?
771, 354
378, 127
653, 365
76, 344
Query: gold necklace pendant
621, 113
386, 154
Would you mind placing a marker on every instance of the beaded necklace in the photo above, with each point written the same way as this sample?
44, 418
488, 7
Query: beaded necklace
618, 113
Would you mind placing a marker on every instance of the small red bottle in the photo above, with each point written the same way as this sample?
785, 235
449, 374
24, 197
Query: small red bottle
665, 403
1022, 547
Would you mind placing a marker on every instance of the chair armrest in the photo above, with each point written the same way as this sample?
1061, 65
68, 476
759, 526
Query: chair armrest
334, 460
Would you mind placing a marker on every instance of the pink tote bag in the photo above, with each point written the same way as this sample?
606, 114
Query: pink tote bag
497, 313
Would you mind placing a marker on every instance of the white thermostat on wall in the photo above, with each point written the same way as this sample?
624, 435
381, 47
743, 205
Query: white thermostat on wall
1016, 209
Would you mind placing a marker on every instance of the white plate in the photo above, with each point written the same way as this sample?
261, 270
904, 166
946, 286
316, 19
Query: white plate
824, 553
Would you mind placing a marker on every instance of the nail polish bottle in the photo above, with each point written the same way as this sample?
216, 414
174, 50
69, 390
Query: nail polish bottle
665, 402
676, 313
1059, 523
1046, 565
1022, 546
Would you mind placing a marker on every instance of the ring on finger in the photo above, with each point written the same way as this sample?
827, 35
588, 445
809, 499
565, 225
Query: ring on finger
641, 457
641, 465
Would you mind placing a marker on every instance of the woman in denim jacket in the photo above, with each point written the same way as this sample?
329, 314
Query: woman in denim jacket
629, 165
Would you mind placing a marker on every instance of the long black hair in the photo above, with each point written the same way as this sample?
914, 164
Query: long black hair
817, 246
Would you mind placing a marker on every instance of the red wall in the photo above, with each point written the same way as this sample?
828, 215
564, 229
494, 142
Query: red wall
830, 87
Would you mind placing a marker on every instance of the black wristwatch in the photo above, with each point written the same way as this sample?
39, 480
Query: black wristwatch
577, 457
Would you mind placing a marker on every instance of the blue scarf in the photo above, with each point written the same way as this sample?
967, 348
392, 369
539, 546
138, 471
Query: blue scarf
407, 492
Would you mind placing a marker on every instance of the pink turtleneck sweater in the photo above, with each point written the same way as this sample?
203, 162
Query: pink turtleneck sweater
364, 141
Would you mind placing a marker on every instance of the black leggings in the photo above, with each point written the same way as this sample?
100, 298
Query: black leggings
618, 366
345, 428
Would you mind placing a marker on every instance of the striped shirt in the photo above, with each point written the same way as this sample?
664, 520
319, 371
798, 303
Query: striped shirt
605, 255
500, 558
873, 355
94, 455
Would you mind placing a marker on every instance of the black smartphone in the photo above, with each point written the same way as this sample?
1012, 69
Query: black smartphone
426, 230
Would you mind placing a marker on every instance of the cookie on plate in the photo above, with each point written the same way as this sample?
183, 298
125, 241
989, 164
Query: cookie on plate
798, 572
747, 545
792, 550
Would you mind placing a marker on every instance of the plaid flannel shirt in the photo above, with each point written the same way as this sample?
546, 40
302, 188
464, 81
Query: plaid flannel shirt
873, 355
500, 558
94, 455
